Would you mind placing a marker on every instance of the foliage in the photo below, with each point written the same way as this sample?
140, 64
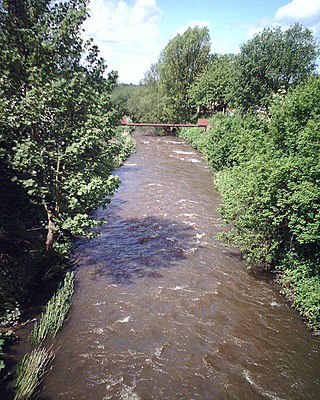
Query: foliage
273, 60
126, 99
143, 103
54, 315
295, 119
184, 58
257, 196
8, 319
153, 99
1, 354
268, 173
20, 239
212, 89
30, 372
58, 142
301, 284
231, 139
61, 109
33, 366
125, 143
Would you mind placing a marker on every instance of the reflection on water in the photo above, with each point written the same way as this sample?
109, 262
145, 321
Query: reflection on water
164, 311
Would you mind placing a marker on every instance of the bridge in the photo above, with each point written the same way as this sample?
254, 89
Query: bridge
202, 123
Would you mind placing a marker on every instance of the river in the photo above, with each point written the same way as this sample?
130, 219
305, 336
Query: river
163, 310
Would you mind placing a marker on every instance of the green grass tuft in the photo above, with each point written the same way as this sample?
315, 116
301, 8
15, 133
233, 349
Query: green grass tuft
54, 315
30, 371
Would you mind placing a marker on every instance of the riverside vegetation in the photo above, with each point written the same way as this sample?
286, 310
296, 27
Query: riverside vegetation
267, 171
59, 146
263, 146
34, 364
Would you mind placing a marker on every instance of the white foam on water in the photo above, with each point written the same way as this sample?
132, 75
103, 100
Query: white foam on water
189, 223
187, 201
183, 152
192, 250
124, 320
99, 331
158, 351
100, 303
127, 393
173, 141
179, 158
172, 239
111, 382
187, 215
180, 288
264, 393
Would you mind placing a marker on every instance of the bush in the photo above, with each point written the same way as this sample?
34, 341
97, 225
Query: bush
230, 140
301, 285
268, 173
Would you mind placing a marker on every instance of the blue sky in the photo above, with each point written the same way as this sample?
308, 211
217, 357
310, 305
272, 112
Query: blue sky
132, 33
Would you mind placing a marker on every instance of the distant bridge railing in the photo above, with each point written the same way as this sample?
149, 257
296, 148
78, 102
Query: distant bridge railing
202, 123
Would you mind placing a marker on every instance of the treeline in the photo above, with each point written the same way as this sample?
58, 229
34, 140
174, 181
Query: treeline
188, 81
59, 143
263, 143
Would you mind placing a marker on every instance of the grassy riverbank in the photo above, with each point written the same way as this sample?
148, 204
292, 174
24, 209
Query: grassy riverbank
268, 173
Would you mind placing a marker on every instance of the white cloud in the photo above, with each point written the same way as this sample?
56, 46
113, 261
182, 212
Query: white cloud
192, 24
299, 10
127, 34
305, 12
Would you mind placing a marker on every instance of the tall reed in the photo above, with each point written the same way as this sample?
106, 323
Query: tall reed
54, 315
30, 372
32, 368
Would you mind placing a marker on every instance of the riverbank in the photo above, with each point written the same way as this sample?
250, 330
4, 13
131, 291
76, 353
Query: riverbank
43, 276
267, 171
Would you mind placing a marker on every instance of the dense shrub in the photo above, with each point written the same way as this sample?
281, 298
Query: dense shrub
268, 172
230, 141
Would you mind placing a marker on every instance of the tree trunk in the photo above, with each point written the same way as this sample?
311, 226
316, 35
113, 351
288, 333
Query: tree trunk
50, 233
53, 209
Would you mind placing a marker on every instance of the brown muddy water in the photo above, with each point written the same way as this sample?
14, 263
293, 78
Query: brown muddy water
164, 311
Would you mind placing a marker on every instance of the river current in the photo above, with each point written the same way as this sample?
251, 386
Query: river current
163, 310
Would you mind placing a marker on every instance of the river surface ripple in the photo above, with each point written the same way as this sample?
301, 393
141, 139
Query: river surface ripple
164, 311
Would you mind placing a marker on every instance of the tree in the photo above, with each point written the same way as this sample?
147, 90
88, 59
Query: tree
57, 127
152, 101
181, 62
273, 60
212, 90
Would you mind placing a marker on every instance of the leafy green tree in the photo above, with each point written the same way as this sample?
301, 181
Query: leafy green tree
143, 102
273, 60
152, 101
58, 129
212, 90
128, 100
184, 58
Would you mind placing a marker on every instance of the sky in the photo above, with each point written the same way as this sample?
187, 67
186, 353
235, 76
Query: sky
131, 33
